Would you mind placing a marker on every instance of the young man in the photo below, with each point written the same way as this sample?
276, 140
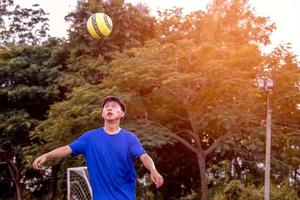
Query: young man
108, 152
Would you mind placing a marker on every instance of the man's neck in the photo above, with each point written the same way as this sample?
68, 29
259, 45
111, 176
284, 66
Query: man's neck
111, 128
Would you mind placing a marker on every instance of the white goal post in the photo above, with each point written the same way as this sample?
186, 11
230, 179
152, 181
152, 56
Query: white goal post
79, 187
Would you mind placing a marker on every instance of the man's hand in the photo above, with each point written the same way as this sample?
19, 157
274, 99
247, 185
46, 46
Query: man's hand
39, 161
56, 153
156, 178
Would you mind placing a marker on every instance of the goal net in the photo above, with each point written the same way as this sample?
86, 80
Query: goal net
79, 187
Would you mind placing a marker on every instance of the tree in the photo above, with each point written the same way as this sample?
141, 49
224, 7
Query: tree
284, 70
29, 79
22, 25
203, 85
171, 80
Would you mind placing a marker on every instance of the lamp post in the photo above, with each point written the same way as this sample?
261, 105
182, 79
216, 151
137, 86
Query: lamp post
267, 84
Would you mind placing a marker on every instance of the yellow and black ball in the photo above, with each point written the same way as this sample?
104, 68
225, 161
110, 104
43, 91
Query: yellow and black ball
99, 25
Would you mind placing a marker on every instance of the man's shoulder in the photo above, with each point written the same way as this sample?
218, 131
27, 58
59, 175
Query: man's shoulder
91, 132
129, 134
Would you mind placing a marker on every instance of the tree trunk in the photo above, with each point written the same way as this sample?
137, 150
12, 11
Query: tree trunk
202, 167
53, 183
16, 178
14, 171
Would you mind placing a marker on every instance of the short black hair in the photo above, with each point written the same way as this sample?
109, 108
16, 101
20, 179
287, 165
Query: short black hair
114, 99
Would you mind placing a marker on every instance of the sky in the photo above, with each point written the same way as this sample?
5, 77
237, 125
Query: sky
285, 13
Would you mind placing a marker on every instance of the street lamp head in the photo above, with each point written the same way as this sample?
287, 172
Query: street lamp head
270, 84
261, 83
264, 83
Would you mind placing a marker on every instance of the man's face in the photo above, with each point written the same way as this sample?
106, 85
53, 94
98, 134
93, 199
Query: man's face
112, 111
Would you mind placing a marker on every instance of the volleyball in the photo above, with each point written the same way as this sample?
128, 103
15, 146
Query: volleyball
99, 25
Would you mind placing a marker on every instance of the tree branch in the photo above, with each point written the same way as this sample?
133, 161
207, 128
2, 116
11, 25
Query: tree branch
188, 132
218, 142
195, 129
281, 163
178, 138
184, 142
179, 117
2, 151
171, 92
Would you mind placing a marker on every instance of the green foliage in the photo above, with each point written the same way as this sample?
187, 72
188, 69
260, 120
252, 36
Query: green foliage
30, 82
131, 27
179, 169
21, 25
14, 125
30, 77
235, 190
170, 79
222, 21
286, 116
193, 90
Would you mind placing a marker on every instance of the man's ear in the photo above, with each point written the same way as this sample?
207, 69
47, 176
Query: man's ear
123, 115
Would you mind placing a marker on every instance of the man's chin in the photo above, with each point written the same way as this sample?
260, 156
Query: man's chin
111, 119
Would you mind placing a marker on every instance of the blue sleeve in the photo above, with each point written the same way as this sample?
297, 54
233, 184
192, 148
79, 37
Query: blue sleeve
136, 149
79, 145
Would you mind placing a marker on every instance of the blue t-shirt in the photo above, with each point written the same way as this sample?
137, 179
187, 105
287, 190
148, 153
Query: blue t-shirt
109, 162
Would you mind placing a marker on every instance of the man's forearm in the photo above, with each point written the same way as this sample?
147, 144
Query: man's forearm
148, 162
59, 152
154, 175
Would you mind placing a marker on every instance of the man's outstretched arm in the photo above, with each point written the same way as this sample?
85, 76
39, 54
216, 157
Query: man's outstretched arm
56, 153
149, 164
